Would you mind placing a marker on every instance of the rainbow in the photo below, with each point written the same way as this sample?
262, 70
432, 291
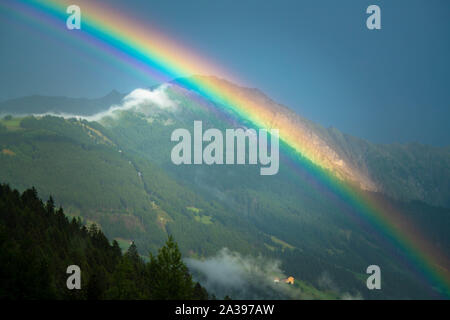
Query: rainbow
150, 53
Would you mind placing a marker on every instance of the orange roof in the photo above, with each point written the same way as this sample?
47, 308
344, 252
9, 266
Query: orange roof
289, 280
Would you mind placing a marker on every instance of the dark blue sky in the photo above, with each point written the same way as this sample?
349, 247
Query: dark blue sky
317, 57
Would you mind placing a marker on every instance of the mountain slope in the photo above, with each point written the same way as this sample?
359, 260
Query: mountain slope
117, 172
408, 172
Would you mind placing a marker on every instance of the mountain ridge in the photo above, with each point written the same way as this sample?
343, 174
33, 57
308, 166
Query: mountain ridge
42, 104
350, 158
356, 158
128, 186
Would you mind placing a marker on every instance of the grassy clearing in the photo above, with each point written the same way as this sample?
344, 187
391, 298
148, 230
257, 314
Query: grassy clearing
200, 218
194, 210
203, 219
271, 248
12, 124
311, 293
280, 242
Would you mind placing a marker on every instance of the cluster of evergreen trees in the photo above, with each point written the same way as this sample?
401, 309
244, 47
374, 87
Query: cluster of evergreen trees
38, 243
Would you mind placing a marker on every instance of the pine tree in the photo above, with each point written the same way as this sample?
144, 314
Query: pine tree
50, 205
132, 253
171, 278
117, 252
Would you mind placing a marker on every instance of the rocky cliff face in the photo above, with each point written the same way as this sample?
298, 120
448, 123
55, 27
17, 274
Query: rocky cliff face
406, 172
309, 139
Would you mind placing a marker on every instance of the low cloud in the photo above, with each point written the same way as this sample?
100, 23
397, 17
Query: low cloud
139, 100
325, 282
241, 277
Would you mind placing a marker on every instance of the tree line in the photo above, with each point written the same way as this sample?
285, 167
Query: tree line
38, 242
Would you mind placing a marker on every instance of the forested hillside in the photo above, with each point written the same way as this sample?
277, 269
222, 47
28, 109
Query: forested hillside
38, 242
117, 174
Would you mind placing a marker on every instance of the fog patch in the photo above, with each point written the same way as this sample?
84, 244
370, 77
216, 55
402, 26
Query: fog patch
241, 276
325, 282
140, 100
144, 101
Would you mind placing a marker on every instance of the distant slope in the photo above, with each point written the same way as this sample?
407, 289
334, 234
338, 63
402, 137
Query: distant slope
37, 104
403, 171
90, 176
